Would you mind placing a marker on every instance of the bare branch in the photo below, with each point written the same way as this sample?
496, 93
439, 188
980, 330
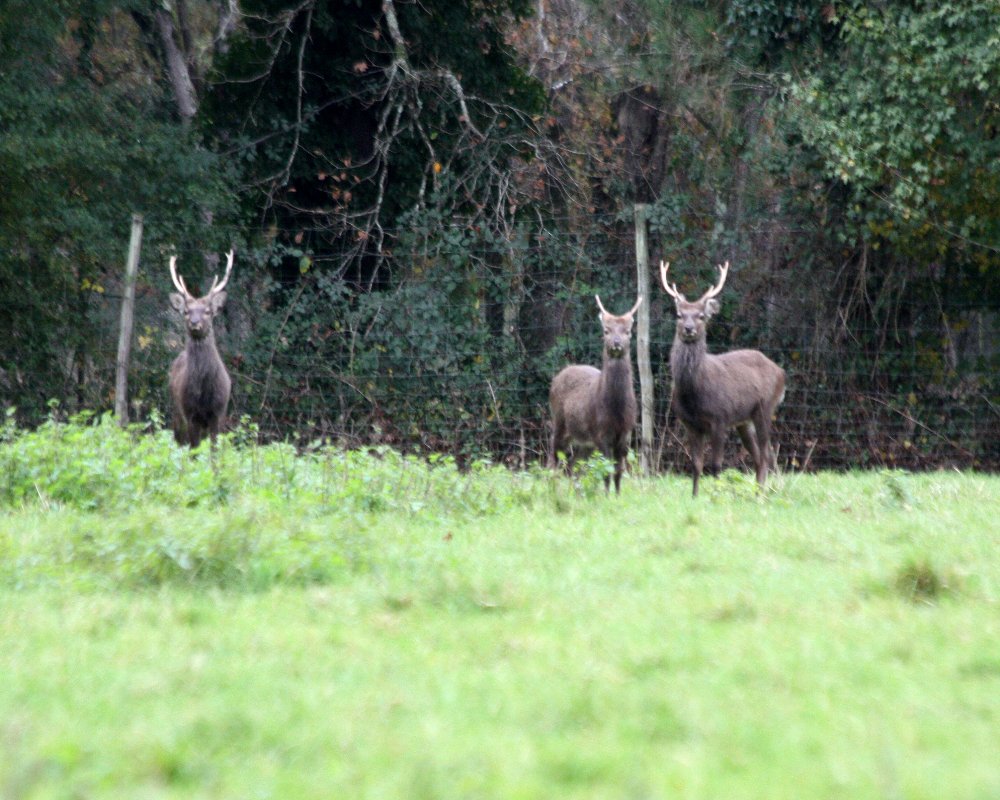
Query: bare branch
229, 15
399, 43
456, 87
300, 77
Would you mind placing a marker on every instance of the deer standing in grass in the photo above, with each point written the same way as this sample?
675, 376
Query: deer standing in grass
595, 408
199, 383
713, 393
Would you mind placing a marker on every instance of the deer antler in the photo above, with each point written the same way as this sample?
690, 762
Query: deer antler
597, 297
723, 271
178, 281
225, 278
671, 289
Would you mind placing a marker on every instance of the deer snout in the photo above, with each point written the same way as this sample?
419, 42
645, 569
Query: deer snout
198, 325
689, 330
616, 346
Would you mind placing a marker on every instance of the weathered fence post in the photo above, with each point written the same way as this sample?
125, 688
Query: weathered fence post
642, 342
125, 329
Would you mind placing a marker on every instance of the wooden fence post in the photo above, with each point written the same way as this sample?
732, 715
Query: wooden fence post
125, 329
642, 342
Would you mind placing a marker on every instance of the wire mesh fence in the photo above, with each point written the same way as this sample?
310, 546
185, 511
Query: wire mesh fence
456, 356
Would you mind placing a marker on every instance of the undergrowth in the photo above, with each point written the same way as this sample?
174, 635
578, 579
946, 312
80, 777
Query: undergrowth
92, 464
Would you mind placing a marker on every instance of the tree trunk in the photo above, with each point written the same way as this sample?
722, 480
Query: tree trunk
177, 67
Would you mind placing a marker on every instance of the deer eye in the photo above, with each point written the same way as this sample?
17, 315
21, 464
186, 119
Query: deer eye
701, 316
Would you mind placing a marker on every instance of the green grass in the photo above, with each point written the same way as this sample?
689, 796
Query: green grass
368, 626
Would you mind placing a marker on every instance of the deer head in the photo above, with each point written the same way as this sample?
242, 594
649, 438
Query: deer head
617, 329
692, 317
199, 311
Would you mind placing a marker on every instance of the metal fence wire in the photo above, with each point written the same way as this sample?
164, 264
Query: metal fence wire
457, 358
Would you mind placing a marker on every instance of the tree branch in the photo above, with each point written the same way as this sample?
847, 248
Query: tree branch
229, 15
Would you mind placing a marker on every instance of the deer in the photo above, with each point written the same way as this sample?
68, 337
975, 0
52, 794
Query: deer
713, 393
595, 408
199, 383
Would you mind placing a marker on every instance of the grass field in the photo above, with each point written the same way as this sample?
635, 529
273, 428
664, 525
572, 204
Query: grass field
319, 624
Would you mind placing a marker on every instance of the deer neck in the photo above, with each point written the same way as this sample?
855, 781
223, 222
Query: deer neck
205, 342
615, 387
687, 359
201, 352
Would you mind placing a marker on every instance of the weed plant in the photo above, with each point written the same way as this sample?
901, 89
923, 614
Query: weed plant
92, 464
241, 515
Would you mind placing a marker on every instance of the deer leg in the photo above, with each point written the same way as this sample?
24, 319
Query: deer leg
574, 454
718, 440
571, 456
696, 442
195, 435
180, 429
763, 426
558, 443
213, 432
619, 469
619, 454
748, 434
772, 462
608, 453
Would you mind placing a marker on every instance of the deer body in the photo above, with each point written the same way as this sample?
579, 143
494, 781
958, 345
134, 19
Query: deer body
595, 409
199, 387
199, 382
713, 393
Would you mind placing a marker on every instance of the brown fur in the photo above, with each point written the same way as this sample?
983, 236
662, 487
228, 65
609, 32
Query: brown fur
595, 408
714, 393
199, 382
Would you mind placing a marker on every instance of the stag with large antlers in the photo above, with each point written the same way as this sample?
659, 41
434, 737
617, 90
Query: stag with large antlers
595, 408
714, 393
199, 383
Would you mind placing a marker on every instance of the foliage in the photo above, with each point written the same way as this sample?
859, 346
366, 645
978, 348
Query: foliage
775, 32
87, 143
914, 140
95, 465
449, 360
425, 197
348, 130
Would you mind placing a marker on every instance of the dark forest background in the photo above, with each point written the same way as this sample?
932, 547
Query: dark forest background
424, 197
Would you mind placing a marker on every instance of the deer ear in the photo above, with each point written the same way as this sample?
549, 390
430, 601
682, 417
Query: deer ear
218, 299
177, 301
712, 307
